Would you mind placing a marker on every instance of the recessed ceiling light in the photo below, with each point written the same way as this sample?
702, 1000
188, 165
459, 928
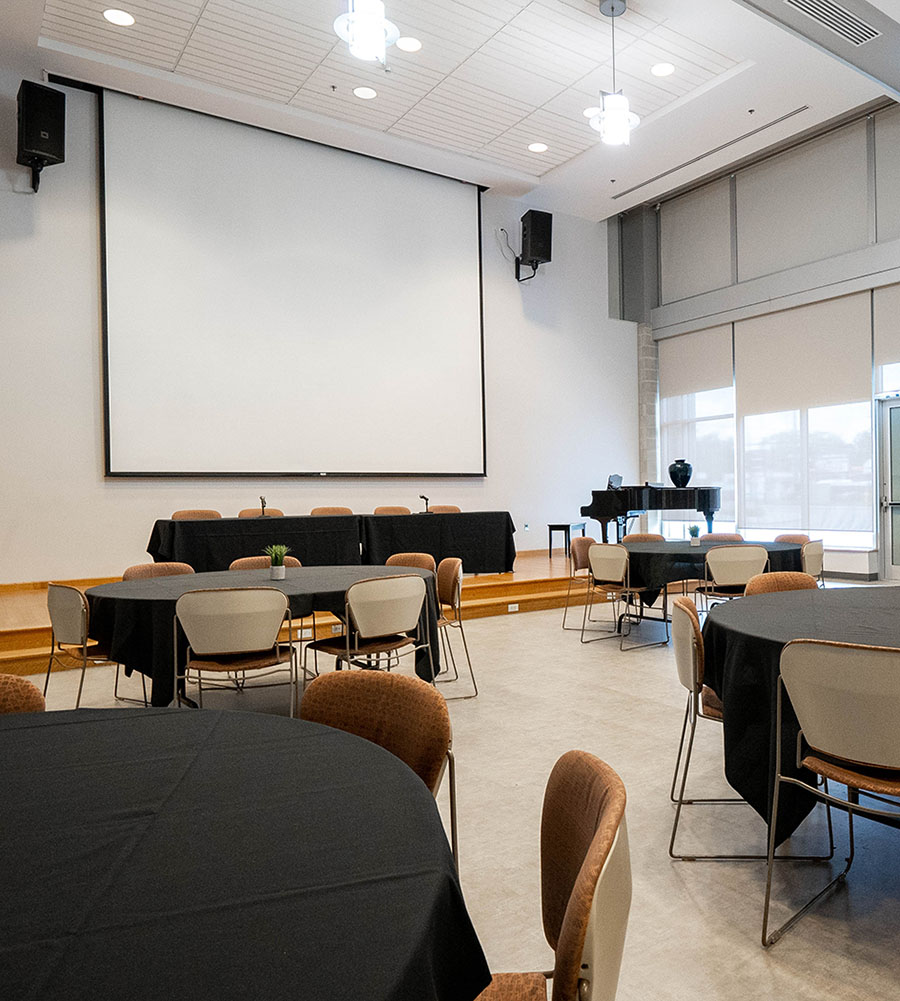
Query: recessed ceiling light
119, 17
366, 93
591, 112
409, 44
662, 69
538, 148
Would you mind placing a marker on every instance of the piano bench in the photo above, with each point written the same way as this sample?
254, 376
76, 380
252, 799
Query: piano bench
566, 529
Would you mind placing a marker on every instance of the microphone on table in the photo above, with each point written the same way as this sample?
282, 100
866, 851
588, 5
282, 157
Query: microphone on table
262, 507
424, 498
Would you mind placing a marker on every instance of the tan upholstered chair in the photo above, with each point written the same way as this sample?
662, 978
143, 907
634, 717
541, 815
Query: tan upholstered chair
195, 514
722, 537
404, 715
19, 695
644, 537
444, 509
383, 619
812, 557
609, 576
585, 886
141, 571
449, 590
321, 512
728, 568
233, 631
70, 642
847, 701
392, 509
256, 512
781, 580
796, 537
579, 570
423, 561
261, 563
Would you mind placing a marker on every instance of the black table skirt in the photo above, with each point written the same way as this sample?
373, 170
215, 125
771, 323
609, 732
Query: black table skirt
653, 564
214, 544
133, 619
743, 640
164, 854
483, 540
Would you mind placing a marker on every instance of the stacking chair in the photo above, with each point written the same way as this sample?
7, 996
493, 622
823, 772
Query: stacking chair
797, 538
780, 580
423, 561
233, 631
585, 886
70, 633
444, 509
382, 618
449, 590
141, 571
579, 569
812, 558
392, 509
19, 695
144, 571
722, 537
257, 512
261, 563
847, 701
643, 537
609, 575
325, 511
728, 568
406, 716
195, 514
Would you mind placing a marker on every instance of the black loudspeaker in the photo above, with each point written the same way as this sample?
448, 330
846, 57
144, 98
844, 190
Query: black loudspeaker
537, 229
42, 128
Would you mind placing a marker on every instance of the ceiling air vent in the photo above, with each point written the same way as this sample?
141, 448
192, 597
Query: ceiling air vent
836, 18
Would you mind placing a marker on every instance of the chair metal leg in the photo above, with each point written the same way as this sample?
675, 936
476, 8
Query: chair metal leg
568, 598
50, 662
445, 639
610, 633
454, 837
83, 672
125, 698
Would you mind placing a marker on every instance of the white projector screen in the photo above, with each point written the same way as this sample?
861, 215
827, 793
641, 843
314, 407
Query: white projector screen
278, 307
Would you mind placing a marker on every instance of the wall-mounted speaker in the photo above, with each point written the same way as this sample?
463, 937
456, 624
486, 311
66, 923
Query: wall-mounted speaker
41, 128
537, 231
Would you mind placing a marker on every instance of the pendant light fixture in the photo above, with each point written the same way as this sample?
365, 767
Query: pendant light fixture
366, 30
614, 121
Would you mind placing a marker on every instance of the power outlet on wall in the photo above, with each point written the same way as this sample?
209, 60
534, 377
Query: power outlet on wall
513, 607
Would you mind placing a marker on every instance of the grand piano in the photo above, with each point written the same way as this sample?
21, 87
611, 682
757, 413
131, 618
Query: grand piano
623, 502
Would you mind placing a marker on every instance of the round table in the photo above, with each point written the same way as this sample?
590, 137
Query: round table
133, 618
655, 564
743, 640
172, 854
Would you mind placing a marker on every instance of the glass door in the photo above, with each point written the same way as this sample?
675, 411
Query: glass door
890, 489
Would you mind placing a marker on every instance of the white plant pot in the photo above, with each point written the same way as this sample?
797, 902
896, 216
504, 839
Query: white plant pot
695, 542
276, 573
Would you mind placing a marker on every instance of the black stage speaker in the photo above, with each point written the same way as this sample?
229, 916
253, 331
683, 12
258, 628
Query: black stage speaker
537, 228
42, 128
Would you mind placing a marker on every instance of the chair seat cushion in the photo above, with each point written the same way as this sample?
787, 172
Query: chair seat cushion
516, 987
711, 703
240, 661
884, 781
94, 650
336, 646
726, 589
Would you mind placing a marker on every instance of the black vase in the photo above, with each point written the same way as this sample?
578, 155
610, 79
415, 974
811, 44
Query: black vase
680, 472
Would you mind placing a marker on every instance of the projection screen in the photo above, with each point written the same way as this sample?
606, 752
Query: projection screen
274, 306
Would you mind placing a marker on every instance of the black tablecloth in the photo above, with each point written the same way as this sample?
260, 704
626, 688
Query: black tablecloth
483, 540
133, 618
164, 854
653, 564
215, 543
743, 641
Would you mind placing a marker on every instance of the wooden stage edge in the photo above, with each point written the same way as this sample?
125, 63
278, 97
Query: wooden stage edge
538, 582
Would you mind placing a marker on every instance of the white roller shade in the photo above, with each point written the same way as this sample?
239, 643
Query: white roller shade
886, 333
695, 362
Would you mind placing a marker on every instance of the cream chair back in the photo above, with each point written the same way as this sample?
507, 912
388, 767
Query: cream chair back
729, 566
608, 562
812, 556
847, 699
386, 605
687, 641
68, 610
231, 620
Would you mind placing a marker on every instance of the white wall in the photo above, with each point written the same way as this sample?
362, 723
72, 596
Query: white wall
561, 384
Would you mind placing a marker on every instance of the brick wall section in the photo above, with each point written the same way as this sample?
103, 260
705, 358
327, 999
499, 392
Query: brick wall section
648, 384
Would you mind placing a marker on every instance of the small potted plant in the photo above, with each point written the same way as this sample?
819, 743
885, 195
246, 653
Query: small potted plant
277, 554
694, 533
